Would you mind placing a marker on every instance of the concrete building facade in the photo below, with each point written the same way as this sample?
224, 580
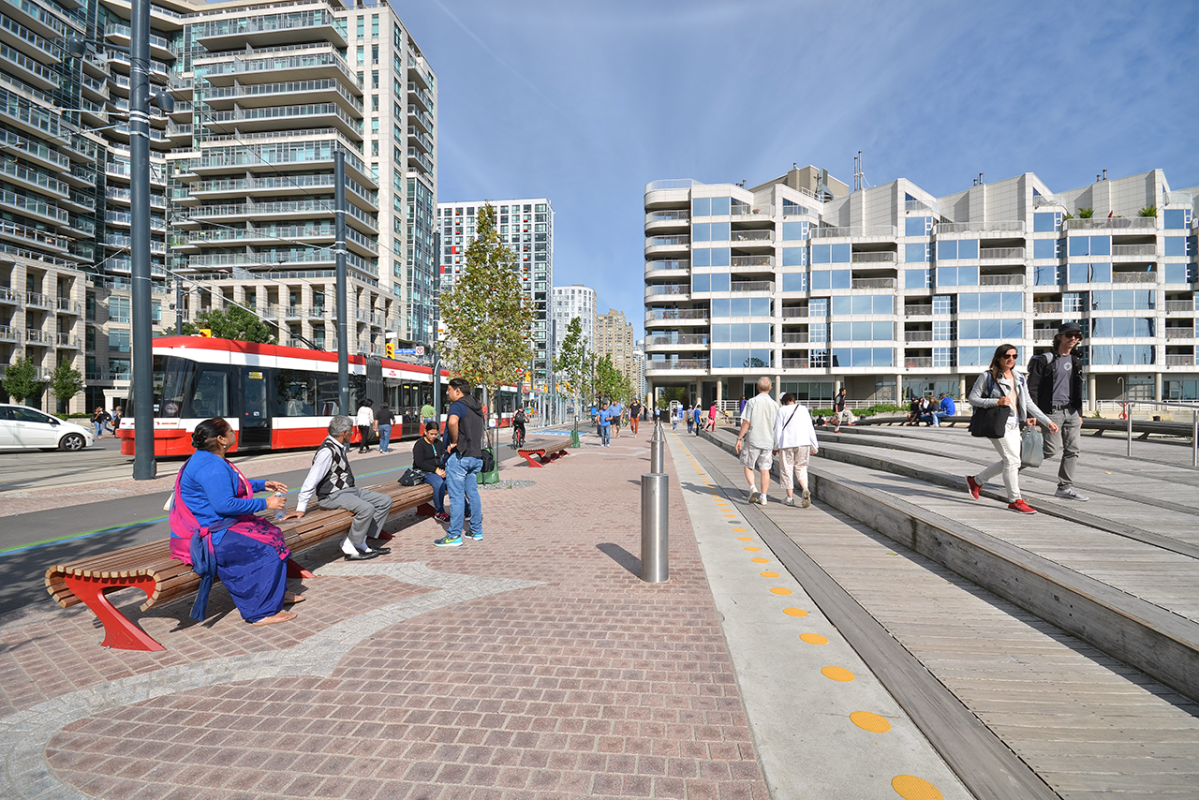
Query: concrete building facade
568, 302
527, 227
891, 291
614, 337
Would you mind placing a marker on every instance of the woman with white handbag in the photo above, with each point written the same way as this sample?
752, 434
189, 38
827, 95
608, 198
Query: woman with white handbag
794, 442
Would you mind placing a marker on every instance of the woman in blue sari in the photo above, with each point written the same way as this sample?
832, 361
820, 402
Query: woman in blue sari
213, 498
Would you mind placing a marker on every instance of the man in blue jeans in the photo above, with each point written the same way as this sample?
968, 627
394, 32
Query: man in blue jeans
464, 434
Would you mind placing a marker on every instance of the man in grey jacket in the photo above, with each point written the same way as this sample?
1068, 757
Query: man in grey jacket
1055, 385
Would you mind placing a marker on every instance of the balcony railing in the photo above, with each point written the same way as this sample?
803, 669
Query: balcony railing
1046, 308
1180, 361
873, 283
1040, 334
37, 299
1115, 223
667, 216
853, 230
1000, 280
66, 340
1134, 277
746, 210
682, 363
918, 336
8, 333
753, 286
795, 338
681, 339
1173, 306
795, 312
9, 296
917, 362
1180, 333
36, 336
753, 261
1006, 226
752, 236
668, 289
668, 241
918, 310
874, 258
1134, 250
1002, 253
667, 266
796, 363
68, 305
677, 313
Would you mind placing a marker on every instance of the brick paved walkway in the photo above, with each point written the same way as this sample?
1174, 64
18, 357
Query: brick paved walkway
534, 664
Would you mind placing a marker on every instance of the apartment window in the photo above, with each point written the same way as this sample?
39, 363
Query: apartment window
1090, 246
917, 226
990, 302
832, 253
361, 54
826, 279
1047, 222
375, 125
541, 207
118, 341
1089, 273
374, 26
90, 305
960, 249
375, 79
374, 54
1177, 246
1176, 219
361, 28
118, 368
156, 312
917, 279
1007, 329
863, 304
118, 309
374, 102
375, 152
957, 276
795, 282
943, 304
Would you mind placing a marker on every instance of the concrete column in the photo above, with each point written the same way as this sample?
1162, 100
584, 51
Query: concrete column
1157, 386
962, 387
836, 386
719, 391
1092, 400
899, 389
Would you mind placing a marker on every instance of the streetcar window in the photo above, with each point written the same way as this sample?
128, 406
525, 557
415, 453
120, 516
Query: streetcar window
295, 393
326, 395
211, 398
170, 380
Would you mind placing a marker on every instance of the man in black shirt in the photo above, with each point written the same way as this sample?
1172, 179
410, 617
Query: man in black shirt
1055, 385
383, 420
634, 414
464, 434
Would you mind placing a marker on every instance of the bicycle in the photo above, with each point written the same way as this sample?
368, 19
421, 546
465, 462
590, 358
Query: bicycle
518, 437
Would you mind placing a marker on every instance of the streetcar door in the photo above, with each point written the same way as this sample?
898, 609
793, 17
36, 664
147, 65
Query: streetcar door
255, 411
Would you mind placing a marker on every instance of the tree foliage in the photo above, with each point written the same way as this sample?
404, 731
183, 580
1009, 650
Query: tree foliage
573, 360
670, 393
20, 380
66, 383
1148, 211
487, 317
611, 383
234, 323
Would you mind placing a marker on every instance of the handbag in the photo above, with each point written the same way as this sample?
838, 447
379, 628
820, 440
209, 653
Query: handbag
989, 423
412, 477
1032, 445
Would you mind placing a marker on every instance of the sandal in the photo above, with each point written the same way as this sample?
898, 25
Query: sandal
291, 598
282, 616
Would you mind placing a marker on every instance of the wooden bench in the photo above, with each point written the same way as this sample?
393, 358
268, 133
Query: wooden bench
150, 567
545, 453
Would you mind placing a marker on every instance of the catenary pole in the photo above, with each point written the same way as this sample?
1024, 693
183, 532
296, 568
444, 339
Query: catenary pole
339, 253
144, 466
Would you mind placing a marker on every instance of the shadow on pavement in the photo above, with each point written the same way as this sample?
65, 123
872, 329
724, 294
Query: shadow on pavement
621, 556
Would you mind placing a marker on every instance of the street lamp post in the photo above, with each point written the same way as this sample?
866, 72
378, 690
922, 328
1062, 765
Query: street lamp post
339, 254
144, 465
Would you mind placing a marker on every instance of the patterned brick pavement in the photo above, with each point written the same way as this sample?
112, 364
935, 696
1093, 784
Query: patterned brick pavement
585, 682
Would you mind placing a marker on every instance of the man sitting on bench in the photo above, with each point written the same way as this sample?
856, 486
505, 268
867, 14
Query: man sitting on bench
332, 480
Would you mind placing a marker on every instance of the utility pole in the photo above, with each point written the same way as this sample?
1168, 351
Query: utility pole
178, 306
339, 253
144, 465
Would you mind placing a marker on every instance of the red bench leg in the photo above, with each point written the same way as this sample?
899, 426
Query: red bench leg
423, 510
294, 570
529, 457
119, 632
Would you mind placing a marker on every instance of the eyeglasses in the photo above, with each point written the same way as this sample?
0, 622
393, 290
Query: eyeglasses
1009, 355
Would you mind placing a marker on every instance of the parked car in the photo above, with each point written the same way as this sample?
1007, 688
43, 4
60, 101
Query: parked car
25, 427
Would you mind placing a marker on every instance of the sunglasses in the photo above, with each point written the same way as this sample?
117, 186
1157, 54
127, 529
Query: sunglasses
1009, 355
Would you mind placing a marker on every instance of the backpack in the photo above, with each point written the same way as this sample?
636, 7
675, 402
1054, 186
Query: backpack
488, 460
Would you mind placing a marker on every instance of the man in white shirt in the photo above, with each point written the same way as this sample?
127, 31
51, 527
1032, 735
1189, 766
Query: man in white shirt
757, 420
332, 481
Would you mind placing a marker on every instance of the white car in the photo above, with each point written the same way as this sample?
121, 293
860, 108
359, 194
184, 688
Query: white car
25, 427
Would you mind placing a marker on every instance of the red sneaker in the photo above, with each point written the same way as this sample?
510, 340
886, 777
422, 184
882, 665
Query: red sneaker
974, 488
1022, 507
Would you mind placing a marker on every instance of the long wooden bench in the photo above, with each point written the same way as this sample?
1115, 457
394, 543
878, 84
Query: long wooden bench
545, 453
151, 568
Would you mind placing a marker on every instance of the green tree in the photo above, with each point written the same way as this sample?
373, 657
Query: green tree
487, 317
20, 380
670, 393
611, 383
66, 382
572, 361
235, 323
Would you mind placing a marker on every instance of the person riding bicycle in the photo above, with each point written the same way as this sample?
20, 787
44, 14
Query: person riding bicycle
518, 424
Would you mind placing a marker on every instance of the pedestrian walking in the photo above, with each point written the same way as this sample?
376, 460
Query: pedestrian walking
116, 419
1001, 386
464, 443
840, 412
794, 443
634, 415
1055, 386
758, 421
712, 417
427, 414
331, 479
698, 416
366, 424
616, 410
99, 418
383, 422
604, 419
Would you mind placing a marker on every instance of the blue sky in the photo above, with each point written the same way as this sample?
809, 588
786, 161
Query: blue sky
584, 103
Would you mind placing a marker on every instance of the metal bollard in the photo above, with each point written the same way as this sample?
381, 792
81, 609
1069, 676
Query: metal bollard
657, 450
1128, 416
1195, 440
655, 528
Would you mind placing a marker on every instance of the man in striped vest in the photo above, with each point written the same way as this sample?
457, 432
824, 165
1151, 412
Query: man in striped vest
332, 481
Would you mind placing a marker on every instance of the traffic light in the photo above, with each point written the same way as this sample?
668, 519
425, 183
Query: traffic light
206, 333
390, 349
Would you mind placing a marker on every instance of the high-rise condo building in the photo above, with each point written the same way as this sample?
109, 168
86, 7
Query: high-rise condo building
241, 175
568, 302
891, 291
527, 227
614, 337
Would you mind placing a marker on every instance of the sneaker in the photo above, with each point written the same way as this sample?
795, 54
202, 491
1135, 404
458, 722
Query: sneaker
1022, 507
972, 487
1070, 494
789, 501
753, 495
807, 499
478, 537
442, 517
762, 499
448, 541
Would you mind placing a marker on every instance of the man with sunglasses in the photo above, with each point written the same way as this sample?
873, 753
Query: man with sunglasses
1055, 385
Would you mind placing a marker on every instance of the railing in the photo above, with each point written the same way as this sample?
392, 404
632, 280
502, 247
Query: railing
420, 158
1042, 200
316, 312
854, 230
753, 261
1134, 277
1180, 333
873, 258
1043, 333
1177, 306
795, 363
872, 283
753, 286
1046, 308
752, 236
8, 333
795, 338
681, 339
668, 289
9, 296
667, 266
1005, 253
677, 313
37, 299
668, 241
917, 362
66, 340
918, 336
1006, 226
36, 336
918, 310
1134, 250
917, 205
1000, 280
667, 216
68, 305
677, 183
1180, 361
739, 209
682, 363
797, 211
1115, 223
795, 312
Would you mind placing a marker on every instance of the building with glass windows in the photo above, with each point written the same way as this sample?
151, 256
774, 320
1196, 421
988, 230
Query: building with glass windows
614, 338
890, 291
568, 302
525, 226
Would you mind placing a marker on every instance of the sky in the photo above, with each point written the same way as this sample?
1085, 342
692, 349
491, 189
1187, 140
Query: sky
585, 103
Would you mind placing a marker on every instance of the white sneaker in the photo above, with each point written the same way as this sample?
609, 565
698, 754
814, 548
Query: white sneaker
753, 495
762, 499
789, 501
1070, 494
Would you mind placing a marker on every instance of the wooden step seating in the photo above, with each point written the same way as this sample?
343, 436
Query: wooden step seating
151, 568
545, 453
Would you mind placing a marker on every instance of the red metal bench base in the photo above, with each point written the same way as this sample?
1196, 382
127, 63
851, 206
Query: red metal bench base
119, 632
528, 455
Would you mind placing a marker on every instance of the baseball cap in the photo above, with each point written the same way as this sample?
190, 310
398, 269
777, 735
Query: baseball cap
1070, 327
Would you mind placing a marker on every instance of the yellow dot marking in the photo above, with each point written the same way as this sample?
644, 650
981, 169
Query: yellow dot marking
760, 560
869, 722
777, 589
837, 674
769, 574
745, 538
754, 550
730, 515
909, 787
795, 612
813, 638
738, 530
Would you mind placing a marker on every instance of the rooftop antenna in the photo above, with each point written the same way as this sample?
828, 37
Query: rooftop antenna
1105, 174
858, 173
822, 190
980, 179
